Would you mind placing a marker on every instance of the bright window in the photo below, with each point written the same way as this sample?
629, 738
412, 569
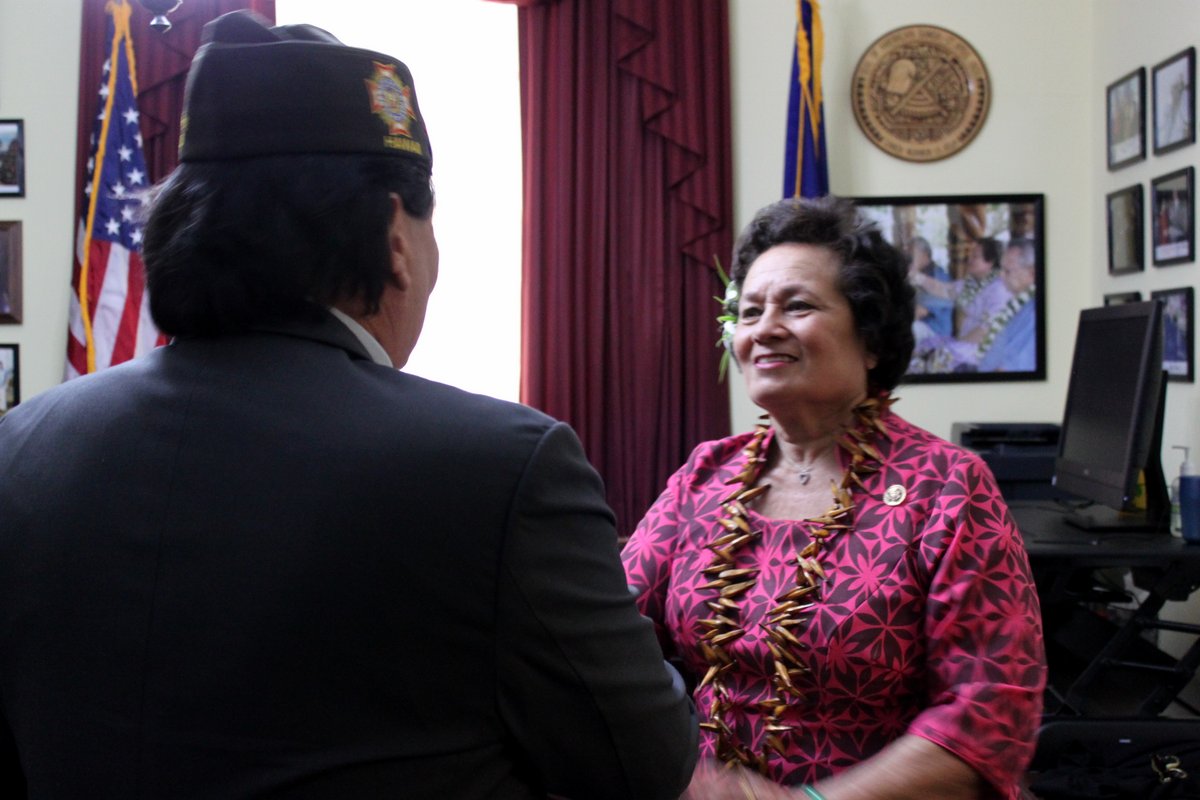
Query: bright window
463, 58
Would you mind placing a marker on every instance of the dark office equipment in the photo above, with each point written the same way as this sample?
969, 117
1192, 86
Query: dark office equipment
1108, 680
1101, 664
1118, 759
1112, 426
1020, 454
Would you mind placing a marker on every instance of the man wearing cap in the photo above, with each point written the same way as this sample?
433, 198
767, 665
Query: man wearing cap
262, 562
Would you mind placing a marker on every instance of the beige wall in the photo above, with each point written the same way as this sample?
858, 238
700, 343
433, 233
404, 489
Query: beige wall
39, 80
1038, 138
1049, 64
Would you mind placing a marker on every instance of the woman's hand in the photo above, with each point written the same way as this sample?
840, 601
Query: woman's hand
910, 768
713, 780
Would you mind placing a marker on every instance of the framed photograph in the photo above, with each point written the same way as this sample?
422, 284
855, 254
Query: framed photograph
10, 272
1179, 351
1127, 119
1125, 230
1117, 298
1174, 101
12, 158
10, 376
1172, 232
976, 262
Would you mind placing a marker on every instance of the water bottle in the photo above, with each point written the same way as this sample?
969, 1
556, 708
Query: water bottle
1185, 470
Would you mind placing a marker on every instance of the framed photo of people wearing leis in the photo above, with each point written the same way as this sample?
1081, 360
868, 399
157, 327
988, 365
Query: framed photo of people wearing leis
1173, 83
10, 376
1172, 209
1179, 341
1126, 105
1124, 208
976, 263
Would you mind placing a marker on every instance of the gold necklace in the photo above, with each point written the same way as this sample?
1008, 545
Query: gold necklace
791, 607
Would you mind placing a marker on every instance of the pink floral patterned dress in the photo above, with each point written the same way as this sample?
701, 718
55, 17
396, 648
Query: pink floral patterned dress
928, 621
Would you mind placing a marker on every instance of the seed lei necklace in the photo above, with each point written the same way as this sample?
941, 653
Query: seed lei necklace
973, 285
792, 606
1014, 304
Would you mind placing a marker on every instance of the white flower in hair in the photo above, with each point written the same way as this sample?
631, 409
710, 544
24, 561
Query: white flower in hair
727, 319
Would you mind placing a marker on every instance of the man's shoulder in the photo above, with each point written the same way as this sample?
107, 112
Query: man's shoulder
406, 405
1020, 325
453, 399
112, 381
1026, 314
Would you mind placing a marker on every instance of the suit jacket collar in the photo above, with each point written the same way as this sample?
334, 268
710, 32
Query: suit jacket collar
327, 330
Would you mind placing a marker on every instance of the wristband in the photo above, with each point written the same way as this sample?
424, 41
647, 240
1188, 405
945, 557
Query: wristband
812, 793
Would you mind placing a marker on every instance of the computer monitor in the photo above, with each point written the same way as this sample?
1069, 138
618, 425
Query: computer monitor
1112, 426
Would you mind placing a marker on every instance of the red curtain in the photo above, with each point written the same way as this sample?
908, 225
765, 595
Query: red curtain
627, 184
162, 65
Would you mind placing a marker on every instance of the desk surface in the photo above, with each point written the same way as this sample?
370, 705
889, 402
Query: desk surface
1048, 537
1098, 665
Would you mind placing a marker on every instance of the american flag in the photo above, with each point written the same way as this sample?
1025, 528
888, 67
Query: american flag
109, 316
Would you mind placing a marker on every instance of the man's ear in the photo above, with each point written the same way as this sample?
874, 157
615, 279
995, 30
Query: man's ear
398, 244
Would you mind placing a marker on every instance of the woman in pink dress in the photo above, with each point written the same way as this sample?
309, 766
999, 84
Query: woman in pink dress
849, 591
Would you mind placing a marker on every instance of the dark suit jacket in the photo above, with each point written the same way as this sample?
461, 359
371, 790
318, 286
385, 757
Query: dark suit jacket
264, 566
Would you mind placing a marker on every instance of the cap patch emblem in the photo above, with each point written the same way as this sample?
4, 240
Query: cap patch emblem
391, 100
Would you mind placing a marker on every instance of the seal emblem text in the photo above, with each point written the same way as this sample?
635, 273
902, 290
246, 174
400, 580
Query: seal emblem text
920, 93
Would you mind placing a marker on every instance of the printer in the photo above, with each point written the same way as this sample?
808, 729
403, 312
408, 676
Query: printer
1020, 454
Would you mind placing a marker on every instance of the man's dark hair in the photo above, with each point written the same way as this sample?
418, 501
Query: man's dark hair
873, 275
989, 248
232, 244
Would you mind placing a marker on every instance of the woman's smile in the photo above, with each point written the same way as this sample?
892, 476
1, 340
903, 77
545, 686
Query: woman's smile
770, 361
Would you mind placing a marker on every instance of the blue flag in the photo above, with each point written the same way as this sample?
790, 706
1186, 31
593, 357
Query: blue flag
806, 167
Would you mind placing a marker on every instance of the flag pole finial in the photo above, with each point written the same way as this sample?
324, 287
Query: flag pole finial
160, 9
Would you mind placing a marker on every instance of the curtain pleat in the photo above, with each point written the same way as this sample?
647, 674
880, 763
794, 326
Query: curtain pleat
627, 182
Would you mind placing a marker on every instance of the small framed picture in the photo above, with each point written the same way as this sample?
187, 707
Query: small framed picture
1118, 298
1172, 210
1127, 119
1125, 230
10, 272
1179, 351
10, 376
12, 158
1174, 101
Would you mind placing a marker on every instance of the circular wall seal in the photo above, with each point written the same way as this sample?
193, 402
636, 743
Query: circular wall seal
920, 93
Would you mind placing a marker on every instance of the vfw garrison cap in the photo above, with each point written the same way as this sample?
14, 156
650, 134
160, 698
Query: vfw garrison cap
255, 90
